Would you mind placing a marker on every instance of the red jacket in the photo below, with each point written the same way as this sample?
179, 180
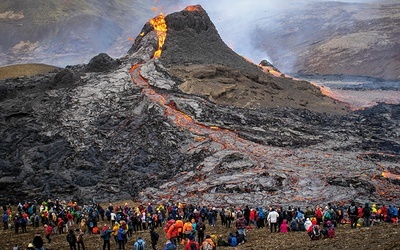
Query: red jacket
187, 247
49, 230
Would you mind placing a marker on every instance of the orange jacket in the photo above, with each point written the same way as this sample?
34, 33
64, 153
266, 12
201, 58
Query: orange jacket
179, 225
172, 232
187, 227
209, 240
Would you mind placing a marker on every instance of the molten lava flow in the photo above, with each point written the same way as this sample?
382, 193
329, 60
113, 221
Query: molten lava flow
293, 164
389, 175
160, 27
270, 70
192, 8
226, 138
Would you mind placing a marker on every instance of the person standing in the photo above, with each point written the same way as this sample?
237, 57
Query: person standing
106, 235
5, 220
352, 212
154, 238
38, 241
121, 236
273, 220
367, 215
241, 225
246, 214
79, 239
71, 239
200, 228
48, 231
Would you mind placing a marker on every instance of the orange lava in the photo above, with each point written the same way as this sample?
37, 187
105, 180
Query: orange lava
192, 8
160, 27
389, 175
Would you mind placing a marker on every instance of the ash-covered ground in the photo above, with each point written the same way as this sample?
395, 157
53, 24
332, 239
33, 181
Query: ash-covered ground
200, 123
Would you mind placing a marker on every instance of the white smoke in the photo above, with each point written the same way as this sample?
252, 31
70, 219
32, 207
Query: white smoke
237, 20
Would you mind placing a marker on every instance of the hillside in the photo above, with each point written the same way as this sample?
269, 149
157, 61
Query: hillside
334, 38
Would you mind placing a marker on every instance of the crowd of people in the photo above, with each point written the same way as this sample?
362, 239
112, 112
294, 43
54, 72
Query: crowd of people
183, 224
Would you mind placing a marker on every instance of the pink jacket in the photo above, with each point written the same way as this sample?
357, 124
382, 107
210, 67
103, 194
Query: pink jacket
284, 227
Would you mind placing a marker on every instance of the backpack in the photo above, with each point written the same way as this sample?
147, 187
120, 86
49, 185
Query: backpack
193, 246
331, 232
140, 245
316, 233
353, 210
367, 211
71, 238
156, 236
207, 246
173, 247
234, 242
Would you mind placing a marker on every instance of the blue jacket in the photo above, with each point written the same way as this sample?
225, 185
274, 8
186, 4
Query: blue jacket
5, 217
121, 234
138, 242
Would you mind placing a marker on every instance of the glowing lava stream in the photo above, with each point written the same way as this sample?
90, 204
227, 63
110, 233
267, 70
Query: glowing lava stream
227, 138
298, 164
160, 27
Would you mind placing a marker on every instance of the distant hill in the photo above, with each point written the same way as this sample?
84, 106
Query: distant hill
24, 70
334, 38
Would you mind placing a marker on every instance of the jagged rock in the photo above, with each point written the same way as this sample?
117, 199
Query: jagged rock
102, 62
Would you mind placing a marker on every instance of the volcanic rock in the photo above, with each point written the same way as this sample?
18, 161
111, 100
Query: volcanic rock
136, 131
196, 55
102, 62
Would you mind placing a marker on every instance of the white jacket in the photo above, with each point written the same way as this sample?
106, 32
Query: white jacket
273, 217
307, 224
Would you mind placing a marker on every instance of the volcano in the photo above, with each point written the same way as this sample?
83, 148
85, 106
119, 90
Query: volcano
182, 117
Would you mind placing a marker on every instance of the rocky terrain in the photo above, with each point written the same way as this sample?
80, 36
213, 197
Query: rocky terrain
137, 128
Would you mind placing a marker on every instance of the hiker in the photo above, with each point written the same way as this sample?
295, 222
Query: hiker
273, 219
71, 239
154, 238
241, 225
284, 227
5, 220
140, 244
38, 241
106, 235
192, 244
79, 239
121, 236
260, 218
201, 228
367, 215
208, 244
352, 212
48, 232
